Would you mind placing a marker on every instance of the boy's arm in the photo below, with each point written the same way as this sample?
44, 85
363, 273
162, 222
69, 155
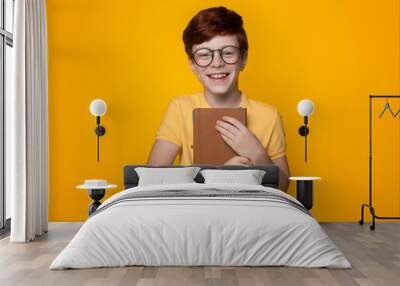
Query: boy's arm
163, 153
284, 173
283, 165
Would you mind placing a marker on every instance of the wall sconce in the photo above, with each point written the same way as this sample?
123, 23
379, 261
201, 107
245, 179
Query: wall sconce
98, 108
305, 109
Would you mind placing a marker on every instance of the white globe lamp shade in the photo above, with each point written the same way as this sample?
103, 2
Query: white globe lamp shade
98, 107
305, 107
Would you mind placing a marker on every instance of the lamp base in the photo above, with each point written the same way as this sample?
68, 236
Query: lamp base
100, 130
303, 130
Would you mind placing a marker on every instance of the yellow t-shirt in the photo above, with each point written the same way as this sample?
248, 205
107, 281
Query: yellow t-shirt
262, 119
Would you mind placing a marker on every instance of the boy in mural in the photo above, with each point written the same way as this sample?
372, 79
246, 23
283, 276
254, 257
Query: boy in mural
216, 45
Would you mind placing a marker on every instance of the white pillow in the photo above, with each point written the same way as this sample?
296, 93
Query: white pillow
162, 176
249, 177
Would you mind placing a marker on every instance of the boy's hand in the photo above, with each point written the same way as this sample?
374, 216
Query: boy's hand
238, 160
240, 138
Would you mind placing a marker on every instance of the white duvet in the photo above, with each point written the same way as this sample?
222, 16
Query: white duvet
200, 231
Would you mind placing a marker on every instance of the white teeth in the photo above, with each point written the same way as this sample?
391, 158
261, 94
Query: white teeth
218, 75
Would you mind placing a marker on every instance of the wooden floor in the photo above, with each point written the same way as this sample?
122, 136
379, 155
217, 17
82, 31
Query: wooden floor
375, 256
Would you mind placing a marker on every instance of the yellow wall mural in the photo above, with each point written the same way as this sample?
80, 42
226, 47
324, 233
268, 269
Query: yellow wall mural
131, 54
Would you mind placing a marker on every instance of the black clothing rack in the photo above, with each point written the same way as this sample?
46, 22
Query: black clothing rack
371, 208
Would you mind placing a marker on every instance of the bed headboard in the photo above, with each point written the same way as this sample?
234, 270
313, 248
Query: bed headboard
270, 179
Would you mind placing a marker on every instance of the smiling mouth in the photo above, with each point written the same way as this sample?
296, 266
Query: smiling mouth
218, 76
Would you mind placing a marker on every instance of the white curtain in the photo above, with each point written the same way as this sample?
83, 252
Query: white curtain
27, 124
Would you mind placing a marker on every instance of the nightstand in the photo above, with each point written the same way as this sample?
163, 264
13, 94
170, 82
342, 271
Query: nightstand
304, 190
97, 190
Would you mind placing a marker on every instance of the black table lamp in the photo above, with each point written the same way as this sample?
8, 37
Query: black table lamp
305, 109
98, 108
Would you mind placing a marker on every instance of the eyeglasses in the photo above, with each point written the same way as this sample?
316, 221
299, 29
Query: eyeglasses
203, 57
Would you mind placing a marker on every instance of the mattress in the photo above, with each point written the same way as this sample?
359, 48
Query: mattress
201, 225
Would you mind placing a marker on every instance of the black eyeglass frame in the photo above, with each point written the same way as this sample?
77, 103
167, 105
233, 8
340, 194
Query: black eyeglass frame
241, 53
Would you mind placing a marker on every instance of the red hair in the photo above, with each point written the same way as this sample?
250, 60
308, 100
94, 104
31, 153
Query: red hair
211, 22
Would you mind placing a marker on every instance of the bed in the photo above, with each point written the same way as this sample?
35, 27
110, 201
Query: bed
201, 224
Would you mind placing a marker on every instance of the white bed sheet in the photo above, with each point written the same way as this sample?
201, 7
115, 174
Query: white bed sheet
200, 231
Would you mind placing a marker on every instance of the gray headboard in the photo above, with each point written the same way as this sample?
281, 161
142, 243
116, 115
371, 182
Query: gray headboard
270, 179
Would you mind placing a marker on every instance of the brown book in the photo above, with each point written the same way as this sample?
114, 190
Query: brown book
208, 146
